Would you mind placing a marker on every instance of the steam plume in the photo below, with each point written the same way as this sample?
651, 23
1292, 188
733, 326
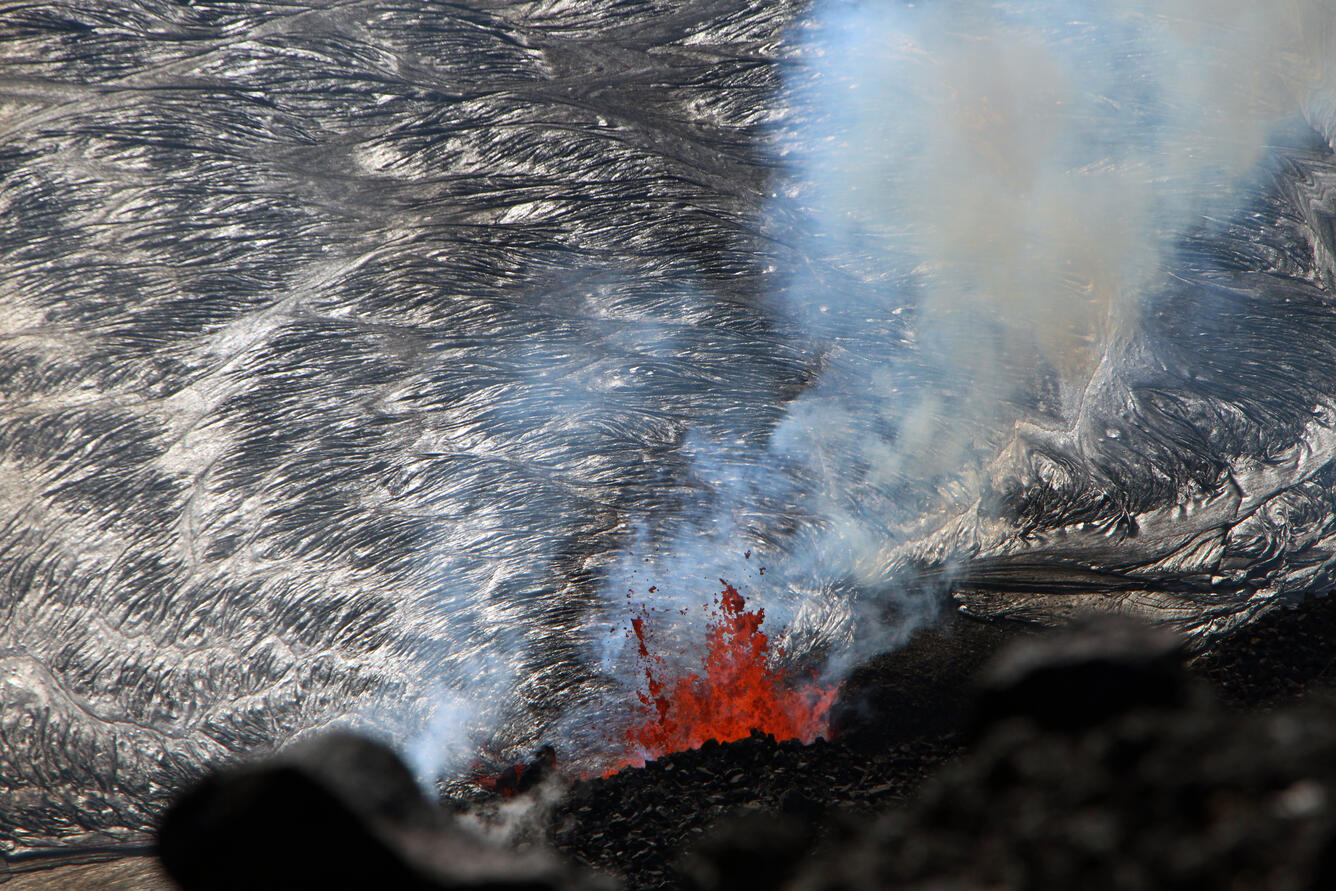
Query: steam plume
983, 190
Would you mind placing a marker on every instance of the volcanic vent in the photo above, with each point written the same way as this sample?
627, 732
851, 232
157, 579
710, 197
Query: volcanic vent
739, 690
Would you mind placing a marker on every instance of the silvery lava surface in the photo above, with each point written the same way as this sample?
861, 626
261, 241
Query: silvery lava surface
344, 350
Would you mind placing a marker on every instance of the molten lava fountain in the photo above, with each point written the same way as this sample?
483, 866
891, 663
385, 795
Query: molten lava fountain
738, 690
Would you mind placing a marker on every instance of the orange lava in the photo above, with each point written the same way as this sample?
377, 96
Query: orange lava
736, 693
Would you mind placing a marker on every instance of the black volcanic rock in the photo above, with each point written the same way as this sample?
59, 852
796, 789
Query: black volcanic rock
340, 811
923, 690
1084, 675
1096, 762
1275, 659
276, 827
1101, 764
1201, 798
750, 851
691, 818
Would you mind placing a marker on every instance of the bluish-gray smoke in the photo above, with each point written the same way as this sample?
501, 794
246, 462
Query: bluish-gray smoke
983, 190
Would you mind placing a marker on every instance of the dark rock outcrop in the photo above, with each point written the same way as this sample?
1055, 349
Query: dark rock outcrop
341, 811
1094, 759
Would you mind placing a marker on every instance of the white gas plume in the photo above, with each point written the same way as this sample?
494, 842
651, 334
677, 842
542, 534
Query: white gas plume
983, 189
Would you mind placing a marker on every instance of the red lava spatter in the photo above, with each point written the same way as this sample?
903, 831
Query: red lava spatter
737, 691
